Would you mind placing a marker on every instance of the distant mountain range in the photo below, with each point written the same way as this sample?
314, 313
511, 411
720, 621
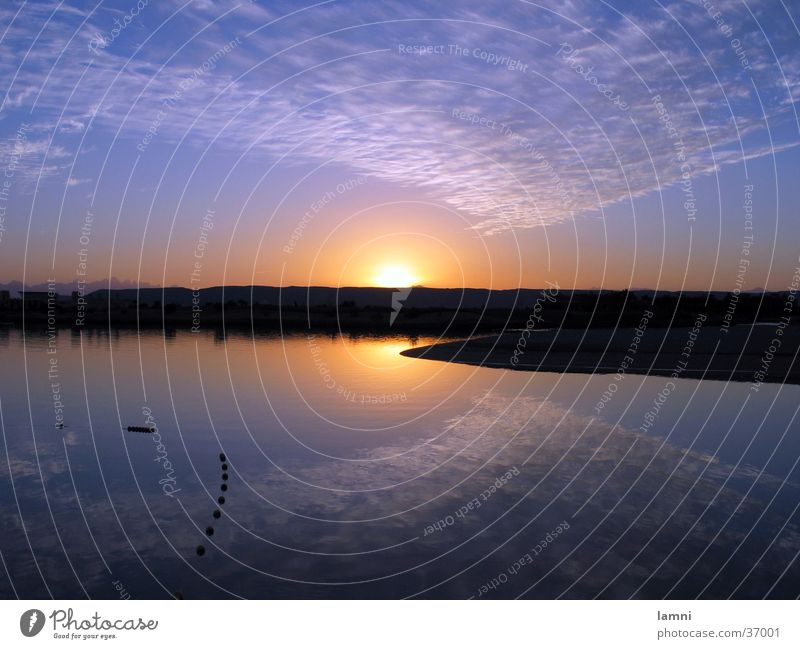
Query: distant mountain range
418, 309
66, 289
418, 297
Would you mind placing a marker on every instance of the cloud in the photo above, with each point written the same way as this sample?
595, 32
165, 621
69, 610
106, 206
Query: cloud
509, 114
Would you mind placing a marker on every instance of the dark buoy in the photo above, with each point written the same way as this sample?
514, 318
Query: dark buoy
222, 457
217, 513
200, 550
210, 531
224, 487
141, 429
221, 500
224, 476
178, 594
224, 467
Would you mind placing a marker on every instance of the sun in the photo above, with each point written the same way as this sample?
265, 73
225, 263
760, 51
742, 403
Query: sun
394, 276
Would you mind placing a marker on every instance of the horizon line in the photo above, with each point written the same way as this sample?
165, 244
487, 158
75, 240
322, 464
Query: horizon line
415, 286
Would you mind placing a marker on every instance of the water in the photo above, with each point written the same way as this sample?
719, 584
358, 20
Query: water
356, 472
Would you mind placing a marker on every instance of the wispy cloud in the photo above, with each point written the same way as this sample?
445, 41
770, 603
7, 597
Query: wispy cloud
505, 114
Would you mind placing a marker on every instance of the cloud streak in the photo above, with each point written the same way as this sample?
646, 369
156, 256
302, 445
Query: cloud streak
511, 145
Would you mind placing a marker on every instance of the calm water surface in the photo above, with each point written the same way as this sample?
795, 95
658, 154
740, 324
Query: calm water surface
356, 472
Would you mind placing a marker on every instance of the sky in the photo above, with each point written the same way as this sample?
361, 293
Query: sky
353, 143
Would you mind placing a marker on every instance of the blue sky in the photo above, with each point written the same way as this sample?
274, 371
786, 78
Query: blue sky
582, 142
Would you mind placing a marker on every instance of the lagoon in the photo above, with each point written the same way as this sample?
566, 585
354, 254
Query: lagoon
352, 471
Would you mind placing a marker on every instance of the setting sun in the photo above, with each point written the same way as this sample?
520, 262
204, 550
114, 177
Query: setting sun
394, 276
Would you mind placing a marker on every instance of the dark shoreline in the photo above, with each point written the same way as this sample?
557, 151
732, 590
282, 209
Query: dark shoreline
464, 312
738, 354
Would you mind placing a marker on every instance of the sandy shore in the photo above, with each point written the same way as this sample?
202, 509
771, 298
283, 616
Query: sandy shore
764, 353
